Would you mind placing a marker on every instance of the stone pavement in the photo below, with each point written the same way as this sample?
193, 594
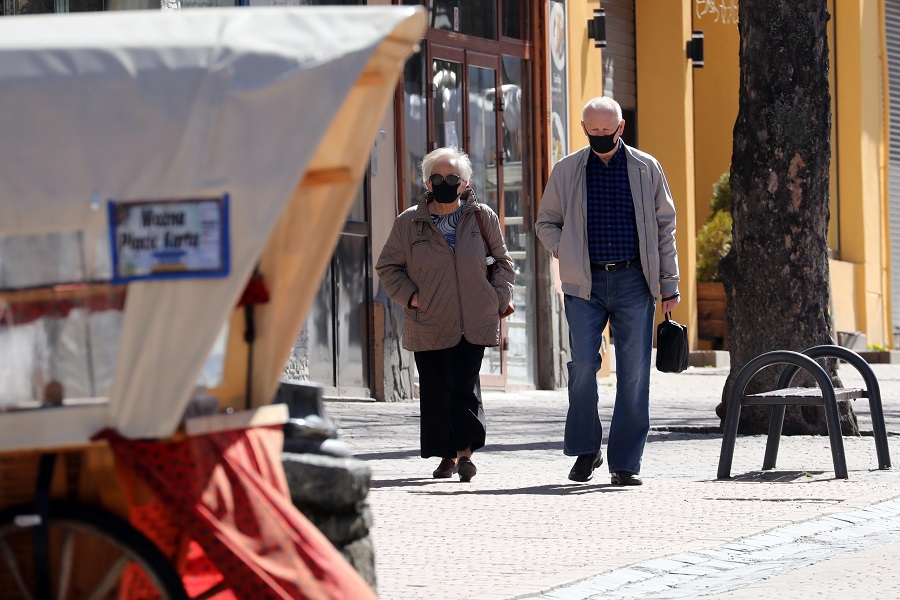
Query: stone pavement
521, 529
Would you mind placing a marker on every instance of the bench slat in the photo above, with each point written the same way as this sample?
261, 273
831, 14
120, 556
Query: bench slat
799, 396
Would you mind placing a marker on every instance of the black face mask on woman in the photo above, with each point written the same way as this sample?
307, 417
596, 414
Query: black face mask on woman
444, 192
603, 144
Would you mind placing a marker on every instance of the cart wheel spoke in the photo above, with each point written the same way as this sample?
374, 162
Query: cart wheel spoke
65, 565
13, 565
110, 579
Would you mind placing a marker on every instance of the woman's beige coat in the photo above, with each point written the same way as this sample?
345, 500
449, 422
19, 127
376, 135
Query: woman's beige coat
455, 297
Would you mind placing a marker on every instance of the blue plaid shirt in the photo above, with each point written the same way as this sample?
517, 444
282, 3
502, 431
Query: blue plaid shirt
611, 228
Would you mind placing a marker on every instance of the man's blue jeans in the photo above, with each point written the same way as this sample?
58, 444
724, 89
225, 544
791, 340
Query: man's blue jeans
622, 299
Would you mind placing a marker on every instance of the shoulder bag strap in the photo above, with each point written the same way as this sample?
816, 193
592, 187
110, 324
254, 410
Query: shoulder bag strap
484, 237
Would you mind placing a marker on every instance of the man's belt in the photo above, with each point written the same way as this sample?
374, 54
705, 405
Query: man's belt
612, 265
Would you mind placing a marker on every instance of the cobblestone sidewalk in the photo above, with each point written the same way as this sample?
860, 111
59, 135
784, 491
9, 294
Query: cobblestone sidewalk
520, 529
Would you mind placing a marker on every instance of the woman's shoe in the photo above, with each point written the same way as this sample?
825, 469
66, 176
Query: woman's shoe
466, 468
446, 469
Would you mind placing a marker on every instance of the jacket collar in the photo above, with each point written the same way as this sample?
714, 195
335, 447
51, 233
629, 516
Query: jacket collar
631, 156
422, 214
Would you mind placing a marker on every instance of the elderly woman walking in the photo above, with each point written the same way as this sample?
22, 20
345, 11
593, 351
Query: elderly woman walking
435, 263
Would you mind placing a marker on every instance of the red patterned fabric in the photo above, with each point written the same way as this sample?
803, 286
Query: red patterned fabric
228, 493
21, 312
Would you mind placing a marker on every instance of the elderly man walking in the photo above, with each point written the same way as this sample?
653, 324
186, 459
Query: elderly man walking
607, 214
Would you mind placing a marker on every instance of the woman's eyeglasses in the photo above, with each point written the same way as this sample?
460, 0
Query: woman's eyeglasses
452, 179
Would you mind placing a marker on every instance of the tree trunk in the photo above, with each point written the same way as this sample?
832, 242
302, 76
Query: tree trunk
776, 274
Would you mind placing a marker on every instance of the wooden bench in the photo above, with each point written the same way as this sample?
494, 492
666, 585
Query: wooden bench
825, 395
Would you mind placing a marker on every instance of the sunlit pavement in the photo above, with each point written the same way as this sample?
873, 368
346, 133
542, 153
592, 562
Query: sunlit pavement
521, 529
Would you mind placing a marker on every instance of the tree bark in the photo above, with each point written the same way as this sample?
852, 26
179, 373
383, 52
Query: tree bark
776, 274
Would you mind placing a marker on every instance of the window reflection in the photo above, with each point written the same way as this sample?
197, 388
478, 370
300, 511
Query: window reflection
447, 78
332, 349
513, 22
472, 17
415, 126
60, 321
28, 7
209, 3
286, 2
483, 134
351, 324
517, 206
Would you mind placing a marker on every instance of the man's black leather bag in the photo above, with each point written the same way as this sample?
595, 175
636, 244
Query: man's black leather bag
672, 351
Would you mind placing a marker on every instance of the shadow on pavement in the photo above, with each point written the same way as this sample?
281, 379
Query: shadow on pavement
555, 445
406, 482
488, 449
387, 455
776, 476
539, 490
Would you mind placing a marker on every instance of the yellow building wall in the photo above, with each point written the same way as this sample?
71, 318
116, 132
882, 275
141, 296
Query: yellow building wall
716, 88
585, 68
859, 156
686, 118
666, 123
665, 111
859, 217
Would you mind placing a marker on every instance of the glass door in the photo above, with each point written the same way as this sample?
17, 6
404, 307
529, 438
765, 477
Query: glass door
518, 225
464, 113
483, 142
333, 347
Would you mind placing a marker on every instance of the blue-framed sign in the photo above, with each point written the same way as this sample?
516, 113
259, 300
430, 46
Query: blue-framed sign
169, 239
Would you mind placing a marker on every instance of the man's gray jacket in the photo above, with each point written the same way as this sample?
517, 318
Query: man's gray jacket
562, 222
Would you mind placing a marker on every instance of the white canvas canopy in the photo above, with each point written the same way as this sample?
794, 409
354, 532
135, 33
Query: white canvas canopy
275, 107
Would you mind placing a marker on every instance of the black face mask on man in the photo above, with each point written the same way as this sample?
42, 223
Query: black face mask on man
603, 144
444, 192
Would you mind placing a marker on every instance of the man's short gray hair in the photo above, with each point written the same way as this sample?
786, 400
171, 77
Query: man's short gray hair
448, 154
603, 103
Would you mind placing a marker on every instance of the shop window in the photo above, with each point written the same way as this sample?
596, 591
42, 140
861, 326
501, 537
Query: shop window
514, 22
415, 127
209, 3
477, 18
29, 7
289, 2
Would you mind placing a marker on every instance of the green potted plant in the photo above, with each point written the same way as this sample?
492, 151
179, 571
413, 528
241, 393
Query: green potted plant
713, 243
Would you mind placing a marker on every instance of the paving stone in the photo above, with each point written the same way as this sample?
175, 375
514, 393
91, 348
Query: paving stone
696, 570
662, 564
783, 552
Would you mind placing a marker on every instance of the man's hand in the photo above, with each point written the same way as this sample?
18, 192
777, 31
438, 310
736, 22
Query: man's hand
669, 305
414, 301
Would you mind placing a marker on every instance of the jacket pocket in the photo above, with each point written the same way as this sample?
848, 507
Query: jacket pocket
421, 259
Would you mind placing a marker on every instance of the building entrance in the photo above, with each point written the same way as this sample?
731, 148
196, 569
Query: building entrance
479, 101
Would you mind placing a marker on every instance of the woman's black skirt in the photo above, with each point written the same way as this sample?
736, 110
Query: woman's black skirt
450, 399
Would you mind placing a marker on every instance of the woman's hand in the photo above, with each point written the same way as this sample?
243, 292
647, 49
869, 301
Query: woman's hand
414, 300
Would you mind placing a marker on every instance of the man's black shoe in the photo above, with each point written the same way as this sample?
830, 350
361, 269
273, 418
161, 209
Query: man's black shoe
626, 478
584, 466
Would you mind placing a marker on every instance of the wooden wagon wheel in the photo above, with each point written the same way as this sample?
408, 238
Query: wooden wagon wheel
79, 552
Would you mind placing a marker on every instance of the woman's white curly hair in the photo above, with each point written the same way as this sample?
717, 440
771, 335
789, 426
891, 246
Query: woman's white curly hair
448, 154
